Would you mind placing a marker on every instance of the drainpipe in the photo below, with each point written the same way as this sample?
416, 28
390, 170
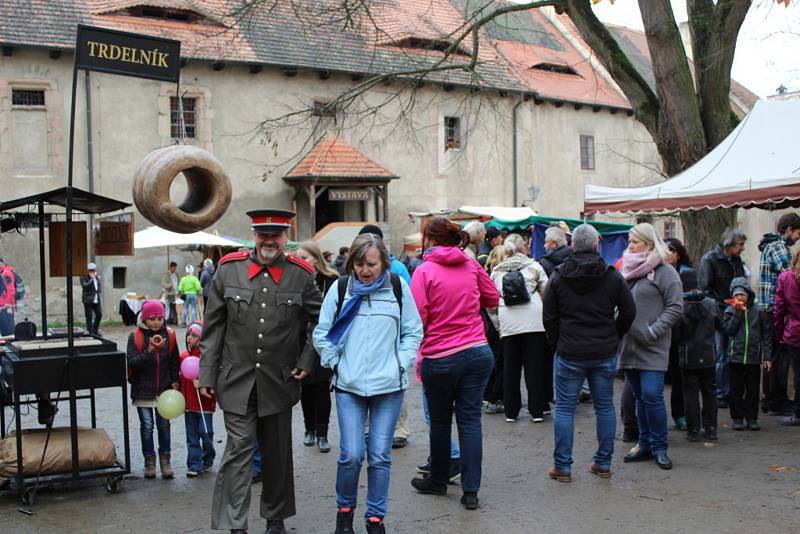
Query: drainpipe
89, 157
516, 149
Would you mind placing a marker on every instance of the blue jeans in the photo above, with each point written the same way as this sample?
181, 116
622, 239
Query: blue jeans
456, 383
146, 425
723, 375
569, 376
426, 414
189, 302
257, 459
6, 321
199, 443
651, 411
352, 411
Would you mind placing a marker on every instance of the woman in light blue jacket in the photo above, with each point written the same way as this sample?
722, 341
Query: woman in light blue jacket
370, 340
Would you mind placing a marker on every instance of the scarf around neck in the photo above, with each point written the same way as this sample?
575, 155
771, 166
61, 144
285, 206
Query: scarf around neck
640, 264
350, 308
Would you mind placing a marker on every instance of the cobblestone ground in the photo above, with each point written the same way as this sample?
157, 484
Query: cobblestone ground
746, 482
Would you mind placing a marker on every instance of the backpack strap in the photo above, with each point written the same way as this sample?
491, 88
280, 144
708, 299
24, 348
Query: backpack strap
341, 288
173, 342
138, 339
397, 289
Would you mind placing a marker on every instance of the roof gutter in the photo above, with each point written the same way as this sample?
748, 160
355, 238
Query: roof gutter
515, 156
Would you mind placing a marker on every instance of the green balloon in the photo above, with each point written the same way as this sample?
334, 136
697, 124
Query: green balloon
171, 404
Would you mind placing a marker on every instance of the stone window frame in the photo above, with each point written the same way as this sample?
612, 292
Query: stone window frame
56, 133
587, 157
204, 115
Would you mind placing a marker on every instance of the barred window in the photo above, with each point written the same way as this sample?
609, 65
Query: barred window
587, 152
189, 117
27, 97
452, 133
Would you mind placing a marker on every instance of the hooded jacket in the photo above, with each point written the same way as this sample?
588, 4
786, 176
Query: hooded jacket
750, 332
786, 313
450, 289
379, 348
527, 317
554, 258
587, 308
152, 374
693, 335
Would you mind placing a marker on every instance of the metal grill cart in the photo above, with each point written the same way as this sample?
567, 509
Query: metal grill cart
51, 363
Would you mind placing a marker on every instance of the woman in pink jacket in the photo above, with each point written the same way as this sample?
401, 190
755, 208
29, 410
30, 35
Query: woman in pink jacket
787, 326
449, 289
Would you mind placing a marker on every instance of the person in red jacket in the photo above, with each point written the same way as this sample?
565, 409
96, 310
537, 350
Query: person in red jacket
199, 415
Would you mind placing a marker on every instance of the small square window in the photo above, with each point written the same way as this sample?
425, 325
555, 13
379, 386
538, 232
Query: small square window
27, 97
587, 152
452, 133
118, 277
189, 117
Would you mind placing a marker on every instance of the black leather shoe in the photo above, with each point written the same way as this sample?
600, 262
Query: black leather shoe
427, 486
323, 445
663, 460
344, 521
738, 424
753, 425
637, 454
470, 500
275, 526
693, 436
709, 433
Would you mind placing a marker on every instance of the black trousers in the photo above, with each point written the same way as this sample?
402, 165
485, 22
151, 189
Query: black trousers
793, 354
494, 389
674, 377
93, 323
627, 409
745, 382
315, 398
699, 384
776, 381
525, 352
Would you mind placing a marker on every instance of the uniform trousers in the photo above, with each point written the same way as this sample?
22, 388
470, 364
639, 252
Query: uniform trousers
232, 488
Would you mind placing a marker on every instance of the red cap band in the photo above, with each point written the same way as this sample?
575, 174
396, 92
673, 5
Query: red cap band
271, 220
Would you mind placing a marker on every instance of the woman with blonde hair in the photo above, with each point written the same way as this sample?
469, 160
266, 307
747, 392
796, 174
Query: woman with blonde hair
644, 355
315, 397
786, 315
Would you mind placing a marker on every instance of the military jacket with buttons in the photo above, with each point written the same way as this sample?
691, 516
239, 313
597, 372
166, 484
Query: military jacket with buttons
253, 321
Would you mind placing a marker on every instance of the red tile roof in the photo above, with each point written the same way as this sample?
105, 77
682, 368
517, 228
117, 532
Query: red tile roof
333, 157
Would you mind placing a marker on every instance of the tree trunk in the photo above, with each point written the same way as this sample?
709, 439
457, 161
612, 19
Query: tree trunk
702, 229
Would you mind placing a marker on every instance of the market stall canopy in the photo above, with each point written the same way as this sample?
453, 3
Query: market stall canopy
82, 201
483, 212
757, 165
158, 237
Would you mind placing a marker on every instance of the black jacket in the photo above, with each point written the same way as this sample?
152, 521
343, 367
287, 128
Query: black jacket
484, 249
750, 332
716, 272
151, 374
694, 333
554, 258
87, 286
587, 308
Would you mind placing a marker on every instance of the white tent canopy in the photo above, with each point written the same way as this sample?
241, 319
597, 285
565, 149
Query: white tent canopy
158, 237
495, 212
758, 164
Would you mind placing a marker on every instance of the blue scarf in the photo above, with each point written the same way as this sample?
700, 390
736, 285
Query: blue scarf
350, 308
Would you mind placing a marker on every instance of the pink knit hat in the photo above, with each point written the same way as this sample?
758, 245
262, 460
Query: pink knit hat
152, 308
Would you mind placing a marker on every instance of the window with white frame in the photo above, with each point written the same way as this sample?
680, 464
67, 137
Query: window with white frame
189, 117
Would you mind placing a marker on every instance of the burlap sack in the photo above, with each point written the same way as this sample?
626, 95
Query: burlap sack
95, 451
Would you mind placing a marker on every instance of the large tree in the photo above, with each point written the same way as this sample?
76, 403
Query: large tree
687, 113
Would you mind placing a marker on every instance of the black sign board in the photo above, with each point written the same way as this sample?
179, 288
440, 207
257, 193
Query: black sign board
128, 54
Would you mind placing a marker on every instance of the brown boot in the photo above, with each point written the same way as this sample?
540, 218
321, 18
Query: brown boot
149, 467
166, 469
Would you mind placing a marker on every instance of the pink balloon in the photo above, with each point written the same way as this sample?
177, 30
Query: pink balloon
190, 368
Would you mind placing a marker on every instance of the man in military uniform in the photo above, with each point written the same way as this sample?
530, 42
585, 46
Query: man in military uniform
259, 303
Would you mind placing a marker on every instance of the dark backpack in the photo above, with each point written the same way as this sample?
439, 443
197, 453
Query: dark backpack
397, 289
19, 287
514, 290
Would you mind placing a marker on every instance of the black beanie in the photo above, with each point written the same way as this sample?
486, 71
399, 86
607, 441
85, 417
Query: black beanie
371, 229
689, 279
491, 233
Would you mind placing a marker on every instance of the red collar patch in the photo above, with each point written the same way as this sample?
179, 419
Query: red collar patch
254, 269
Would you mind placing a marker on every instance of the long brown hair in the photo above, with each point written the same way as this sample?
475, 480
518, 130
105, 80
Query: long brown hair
796, 262
443, 232
322, 266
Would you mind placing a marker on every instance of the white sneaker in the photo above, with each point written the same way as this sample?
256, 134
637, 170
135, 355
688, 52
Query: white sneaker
510, 420
537, 419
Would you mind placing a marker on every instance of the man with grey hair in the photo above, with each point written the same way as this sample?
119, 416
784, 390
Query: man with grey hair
587, 309
477, 233
556, 247
718, 267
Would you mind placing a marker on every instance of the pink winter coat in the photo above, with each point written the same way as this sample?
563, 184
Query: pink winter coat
449, 289
786, 312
